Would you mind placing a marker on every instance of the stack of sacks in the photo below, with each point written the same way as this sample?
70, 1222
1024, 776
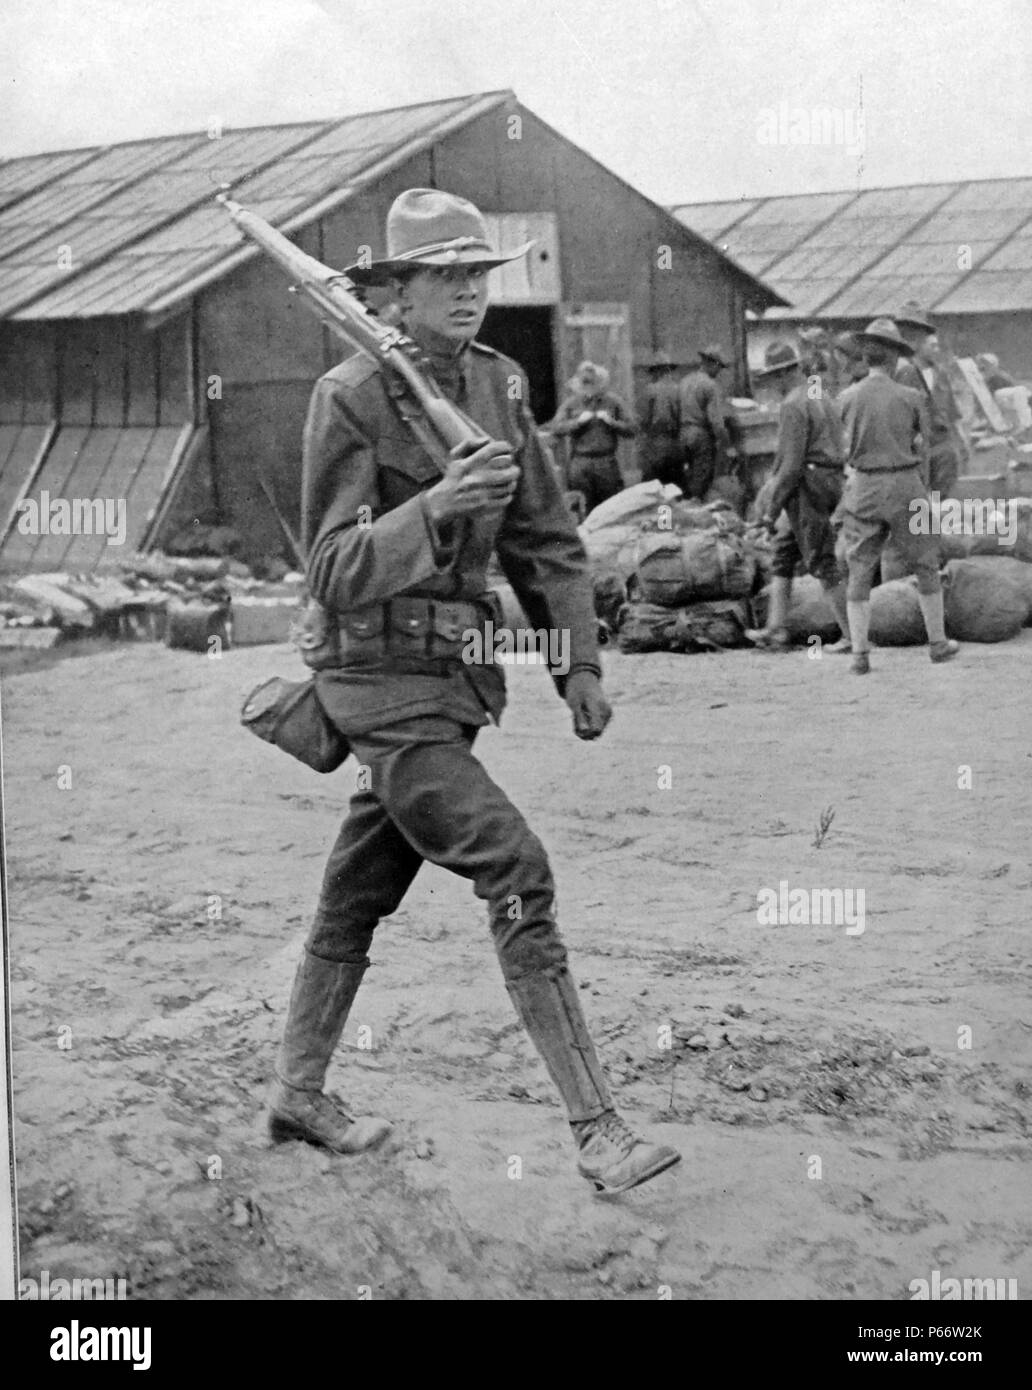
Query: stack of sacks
685, 570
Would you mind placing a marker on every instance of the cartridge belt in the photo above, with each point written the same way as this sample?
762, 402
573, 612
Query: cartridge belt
414, 634
899, 468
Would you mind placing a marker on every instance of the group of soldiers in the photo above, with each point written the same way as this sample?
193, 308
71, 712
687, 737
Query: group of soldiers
867, 426
689, 434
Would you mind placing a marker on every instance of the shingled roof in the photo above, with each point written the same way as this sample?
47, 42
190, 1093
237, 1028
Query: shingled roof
133, 228
958, 248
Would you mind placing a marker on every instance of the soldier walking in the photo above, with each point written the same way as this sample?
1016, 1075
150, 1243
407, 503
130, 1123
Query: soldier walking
886, 434
397, 552
807, 486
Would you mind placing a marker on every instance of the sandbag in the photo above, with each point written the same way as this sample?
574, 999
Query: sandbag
987, 599
674, 570
809, 612
896, 619
716, 626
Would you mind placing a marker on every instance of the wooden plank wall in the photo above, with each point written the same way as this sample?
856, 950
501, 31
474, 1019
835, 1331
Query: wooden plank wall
28, 373
103, 372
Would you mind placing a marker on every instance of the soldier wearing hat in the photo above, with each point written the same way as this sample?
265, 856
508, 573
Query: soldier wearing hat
594, 420
705, 438
807, 486
924, 372
818, 357
397, 553
886, 433
662, 455
849, 359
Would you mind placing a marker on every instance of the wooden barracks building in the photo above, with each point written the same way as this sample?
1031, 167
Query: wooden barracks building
148, 354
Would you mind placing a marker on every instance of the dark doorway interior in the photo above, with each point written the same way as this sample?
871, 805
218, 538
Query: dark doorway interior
525, 333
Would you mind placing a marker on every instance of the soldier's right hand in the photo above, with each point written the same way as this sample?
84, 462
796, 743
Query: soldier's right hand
475, 482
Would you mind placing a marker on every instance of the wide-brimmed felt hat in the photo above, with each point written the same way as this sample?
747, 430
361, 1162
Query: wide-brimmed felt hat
778, 357
911, 315
713, 352
884, 331
426, 227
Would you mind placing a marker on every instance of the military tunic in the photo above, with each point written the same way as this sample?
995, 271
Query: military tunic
886, 432
370, 541
662, 454
594, 470
944, 448
704, 434
807, 484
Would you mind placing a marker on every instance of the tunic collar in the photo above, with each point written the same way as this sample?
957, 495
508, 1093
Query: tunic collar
449, 361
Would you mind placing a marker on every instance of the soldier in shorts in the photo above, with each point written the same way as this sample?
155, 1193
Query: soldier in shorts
886, 436
807, 487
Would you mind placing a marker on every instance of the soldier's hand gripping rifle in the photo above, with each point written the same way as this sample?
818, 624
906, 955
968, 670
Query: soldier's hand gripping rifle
437, 423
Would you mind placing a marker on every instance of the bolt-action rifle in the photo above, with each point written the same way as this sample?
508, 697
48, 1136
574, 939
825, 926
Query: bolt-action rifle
437, 423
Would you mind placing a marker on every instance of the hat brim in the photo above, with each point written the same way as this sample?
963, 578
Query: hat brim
903, 348
779, 370
922, 324
709, 357
382, 272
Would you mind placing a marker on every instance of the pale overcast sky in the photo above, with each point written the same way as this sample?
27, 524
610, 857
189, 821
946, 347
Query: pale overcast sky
669, 93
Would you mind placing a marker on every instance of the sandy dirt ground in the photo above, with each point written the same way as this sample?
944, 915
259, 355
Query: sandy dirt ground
839, 1137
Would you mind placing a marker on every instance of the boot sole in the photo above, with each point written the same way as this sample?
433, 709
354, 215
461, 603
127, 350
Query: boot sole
604, 1190
283, 1131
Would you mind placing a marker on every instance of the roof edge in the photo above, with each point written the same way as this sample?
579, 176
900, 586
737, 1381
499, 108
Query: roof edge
172, 300
765, 291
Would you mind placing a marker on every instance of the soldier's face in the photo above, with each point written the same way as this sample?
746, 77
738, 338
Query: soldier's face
928, 353
449, 300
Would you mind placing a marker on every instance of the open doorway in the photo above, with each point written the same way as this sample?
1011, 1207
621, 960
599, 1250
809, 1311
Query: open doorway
525, 333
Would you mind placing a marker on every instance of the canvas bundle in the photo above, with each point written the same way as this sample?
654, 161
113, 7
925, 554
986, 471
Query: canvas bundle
674, 570
716, 626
